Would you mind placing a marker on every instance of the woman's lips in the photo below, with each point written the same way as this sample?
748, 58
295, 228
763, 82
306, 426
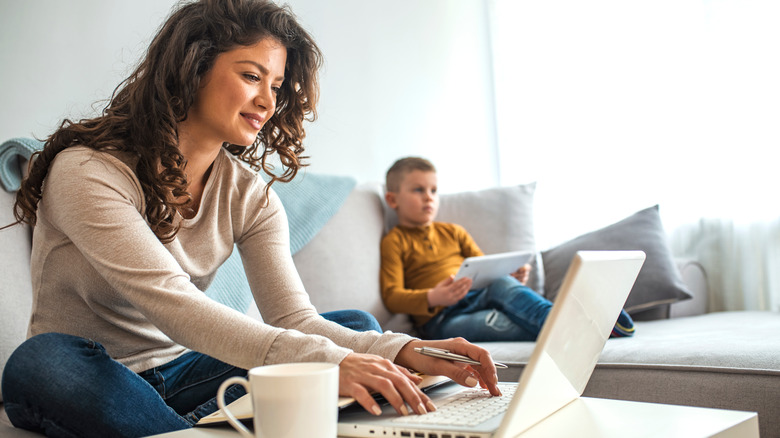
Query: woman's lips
255, 120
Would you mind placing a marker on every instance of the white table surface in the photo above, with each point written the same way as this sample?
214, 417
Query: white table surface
603, 418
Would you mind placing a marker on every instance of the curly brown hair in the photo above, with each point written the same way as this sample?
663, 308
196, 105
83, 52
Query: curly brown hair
145, 109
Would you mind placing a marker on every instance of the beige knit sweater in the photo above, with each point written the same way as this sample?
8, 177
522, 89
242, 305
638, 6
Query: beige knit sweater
99, 272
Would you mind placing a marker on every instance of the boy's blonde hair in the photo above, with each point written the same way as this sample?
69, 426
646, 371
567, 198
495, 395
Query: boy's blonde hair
401, 167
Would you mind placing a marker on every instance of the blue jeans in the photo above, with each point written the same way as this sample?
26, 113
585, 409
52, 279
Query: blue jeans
506, 310
67, 386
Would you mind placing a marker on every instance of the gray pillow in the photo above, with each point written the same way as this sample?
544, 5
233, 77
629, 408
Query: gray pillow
659, 282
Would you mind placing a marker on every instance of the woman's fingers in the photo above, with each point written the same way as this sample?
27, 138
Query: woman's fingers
365, 399
361, 374
387, 388
483, 374
413, 377
408, 394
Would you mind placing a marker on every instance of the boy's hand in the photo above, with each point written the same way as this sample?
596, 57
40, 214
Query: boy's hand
522, 273
448, 291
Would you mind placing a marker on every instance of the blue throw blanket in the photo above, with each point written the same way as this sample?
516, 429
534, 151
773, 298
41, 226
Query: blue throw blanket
12, 152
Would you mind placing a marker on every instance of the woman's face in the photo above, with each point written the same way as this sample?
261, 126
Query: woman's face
238, 95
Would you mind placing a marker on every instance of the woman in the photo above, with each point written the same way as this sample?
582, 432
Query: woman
136, 209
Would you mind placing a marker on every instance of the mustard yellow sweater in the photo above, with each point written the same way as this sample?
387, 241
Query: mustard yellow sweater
414, 260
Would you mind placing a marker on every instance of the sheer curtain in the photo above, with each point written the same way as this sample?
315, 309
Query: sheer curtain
616, 105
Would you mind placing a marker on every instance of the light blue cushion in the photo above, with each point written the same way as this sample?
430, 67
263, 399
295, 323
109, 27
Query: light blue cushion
309, 201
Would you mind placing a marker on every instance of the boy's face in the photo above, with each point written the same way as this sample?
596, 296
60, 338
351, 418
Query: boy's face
417, 201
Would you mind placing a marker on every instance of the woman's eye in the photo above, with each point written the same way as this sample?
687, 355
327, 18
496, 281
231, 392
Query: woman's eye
276, 89
252, 77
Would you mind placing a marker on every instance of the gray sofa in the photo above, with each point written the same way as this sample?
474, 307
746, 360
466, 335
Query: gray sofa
680, 354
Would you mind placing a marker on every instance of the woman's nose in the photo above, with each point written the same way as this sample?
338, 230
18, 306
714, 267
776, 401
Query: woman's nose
265, 98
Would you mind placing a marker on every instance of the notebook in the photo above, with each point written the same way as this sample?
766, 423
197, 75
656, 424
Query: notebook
484, 270
590, 299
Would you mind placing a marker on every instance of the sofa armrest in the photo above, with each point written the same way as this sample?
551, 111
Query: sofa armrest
694, 276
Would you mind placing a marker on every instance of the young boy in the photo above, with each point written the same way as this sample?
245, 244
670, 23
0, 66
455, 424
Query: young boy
420, 258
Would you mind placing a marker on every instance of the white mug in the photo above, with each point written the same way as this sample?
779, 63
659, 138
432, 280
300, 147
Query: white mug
289, 400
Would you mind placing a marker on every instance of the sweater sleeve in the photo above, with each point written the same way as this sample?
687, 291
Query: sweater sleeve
283, 301
469, 247
397, 298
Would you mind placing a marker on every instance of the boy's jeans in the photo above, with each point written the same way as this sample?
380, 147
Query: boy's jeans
67, 386
506, 310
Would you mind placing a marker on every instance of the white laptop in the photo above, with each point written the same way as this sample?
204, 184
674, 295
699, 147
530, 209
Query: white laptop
485, 269
567, 349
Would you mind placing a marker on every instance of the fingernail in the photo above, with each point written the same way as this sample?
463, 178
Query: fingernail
376, 410
421, 409
471, 381
431, 406
404, 411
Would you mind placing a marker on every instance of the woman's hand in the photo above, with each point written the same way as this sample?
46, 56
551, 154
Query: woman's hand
467, 375
448, 291
360, 374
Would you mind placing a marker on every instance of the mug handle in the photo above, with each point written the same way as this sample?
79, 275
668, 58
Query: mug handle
226, 412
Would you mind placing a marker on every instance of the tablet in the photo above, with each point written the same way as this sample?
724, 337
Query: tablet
483, 270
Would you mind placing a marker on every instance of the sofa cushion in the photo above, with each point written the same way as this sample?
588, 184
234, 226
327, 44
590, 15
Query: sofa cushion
16, 298
7, 430
739, 340
340, 265
659, 282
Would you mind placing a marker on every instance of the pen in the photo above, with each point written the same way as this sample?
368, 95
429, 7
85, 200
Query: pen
447, 355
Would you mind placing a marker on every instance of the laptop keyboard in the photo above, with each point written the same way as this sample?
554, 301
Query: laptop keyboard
467, 408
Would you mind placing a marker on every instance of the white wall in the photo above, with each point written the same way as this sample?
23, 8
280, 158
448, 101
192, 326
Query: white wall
616, 105
402, 77
59, 58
